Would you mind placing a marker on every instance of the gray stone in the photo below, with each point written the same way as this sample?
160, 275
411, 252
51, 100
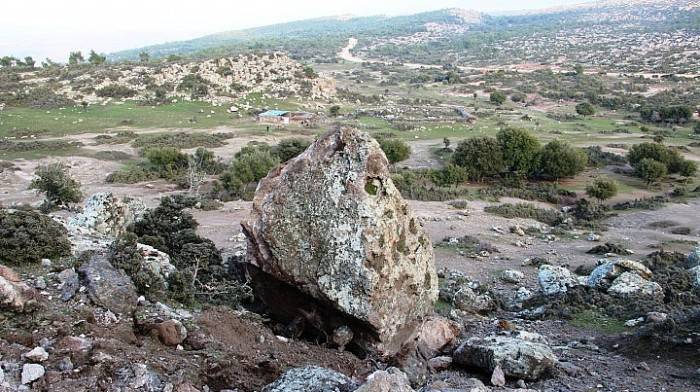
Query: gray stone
512, 276
311, 379
695, 273
391, 380
603, 275
105, 215
107, 286
70, 283
498, 379
632, 286
694, 257
32, 372
331, 223
38, 354
518, 358
555, 280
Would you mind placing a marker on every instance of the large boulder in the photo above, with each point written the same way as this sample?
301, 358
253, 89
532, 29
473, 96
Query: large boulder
331, 225
105, 215
311, 379
15, 295
631, 286
390, 380
603, 275
527, 357
107, 286
555, 280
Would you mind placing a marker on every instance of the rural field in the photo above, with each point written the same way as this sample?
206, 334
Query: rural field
443, 201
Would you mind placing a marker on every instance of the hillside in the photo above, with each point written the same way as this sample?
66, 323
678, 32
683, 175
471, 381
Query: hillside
301, 38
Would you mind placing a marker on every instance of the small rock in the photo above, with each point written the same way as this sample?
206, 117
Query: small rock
311, 378
65, 364
555, 280
498, 379
631, 286
521, 384
70, 283
40, 283
656, 317
391, 380
440, 363
171, 332
634, 322
32, 372
342, 336
512, 276
46, 263
38, 354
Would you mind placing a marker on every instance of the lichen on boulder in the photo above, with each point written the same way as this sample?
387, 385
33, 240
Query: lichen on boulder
331, 224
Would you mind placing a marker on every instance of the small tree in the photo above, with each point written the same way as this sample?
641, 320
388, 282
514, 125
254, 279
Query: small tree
585, 109
144, 57
395, 150
602, 189
29, 62
497, 98
481, 156
334, 111
96, 59
55, 181
650, 170
559, 159
520, 149
76, 58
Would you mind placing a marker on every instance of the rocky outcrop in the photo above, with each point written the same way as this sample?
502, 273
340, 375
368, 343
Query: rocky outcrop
526, 357
105, 215
312, 379
608, 271
331, 224
631, 286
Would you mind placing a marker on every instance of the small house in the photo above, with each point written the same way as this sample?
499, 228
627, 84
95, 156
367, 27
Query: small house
284, 117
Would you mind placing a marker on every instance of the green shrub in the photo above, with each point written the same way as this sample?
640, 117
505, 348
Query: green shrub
28, 237
525, 210
395, 150
54, 180
181, 140
599, 158
115, 91
124, 254
497, 98
650, 170
481, 156
520, 150
132, 174
655, 151
602, 189
585, 109
246, 169
559, 159
450, 174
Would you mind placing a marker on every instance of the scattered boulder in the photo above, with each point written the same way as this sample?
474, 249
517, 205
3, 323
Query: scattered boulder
105, 215
603, 275
171, 332
32, 372
390, 380
527, 359
555, 280
512, 276
695, 273
464, 293
311, 379
156, 261
70, 283
15, 295
38, 354
331, 225
632, 286
107, 286
435, 334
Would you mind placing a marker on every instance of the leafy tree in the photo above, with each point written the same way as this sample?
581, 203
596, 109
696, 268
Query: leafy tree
54, 180
29, 62
559, 159
446, 142
166, 159
602, 189
520, 149
7, 61
481, 156
686, 168
497, 98
309, 72
654, 151
96, 58
144, 57
585, 109
650, 170
76, 58
395, 150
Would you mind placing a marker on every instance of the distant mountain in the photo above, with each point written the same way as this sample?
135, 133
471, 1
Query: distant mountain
307, 38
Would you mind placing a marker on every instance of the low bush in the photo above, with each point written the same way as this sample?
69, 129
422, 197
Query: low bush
54, 180
115, 91
528, 211
181, 140
395, 150
28, 237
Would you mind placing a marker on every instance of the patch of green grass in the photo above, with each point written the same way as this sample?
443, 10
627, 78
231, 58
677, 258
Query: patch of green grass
590, 319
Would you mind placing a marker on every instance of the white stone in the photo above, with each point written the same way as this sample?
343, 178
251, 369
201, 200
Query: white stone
32, 372
38, 354
555, 279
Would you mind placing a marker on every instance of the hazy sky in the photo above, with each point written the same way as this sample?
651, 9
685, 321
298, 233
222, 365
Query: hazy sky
51, 28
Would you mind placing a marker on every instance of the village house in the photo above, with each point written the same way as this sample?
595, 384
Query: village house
284, 117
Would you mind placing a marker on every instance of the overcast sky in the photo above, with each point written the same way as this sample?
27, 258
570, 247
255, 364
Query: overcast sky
51, 28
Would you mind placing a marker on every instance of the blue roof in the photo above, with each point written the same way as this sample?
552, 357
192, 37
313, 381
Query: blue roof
274, 113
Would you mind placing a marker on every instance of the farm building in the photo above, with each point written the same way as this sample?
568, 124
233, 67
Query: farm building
284, 117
